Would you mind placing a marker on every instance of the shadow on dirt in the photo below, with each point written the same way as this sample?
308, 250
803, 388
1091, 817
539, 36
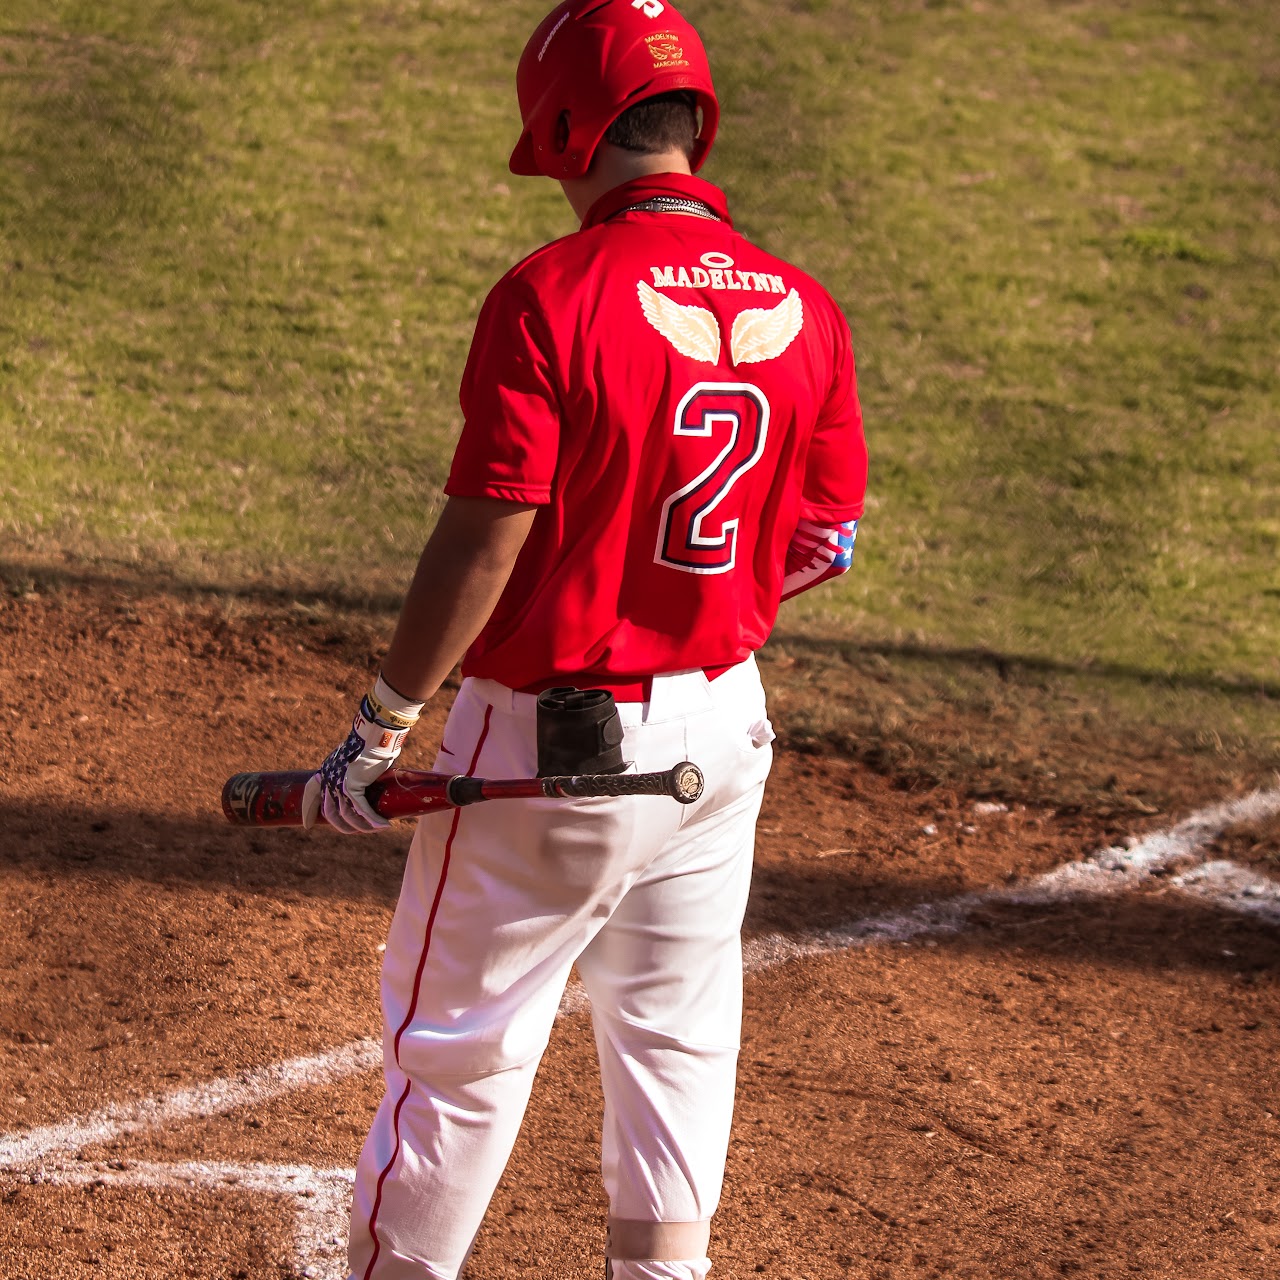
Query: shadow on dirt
114, 844
1167, 930
1160, 928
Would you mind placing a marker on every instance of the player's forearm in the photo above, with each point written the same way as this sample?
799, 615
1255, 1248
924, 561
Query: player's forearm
460, 576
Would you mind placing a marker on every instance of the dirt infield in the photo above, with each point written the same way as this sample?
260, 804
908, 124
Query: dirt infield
958, 1061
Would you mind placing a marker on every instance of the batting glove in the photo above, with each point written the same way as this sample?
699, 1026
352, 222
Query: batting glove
337, 790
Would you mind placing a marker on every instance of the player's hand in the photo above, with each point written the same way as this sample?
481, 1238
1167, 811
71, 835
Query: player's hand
338, 788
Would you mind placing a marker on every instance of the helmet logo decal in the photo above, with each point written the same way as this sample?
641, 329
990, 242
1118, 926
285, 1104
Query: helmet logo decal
551, 35
759, 333
666, 49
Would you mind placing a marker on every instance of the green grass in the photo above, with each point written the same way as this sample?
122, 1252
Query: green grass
242, 248
1055, 230
242, 260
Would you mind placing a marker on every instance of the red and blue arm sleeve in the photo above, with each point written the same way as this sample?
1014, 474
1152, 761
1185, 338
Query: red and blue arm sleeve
817, 554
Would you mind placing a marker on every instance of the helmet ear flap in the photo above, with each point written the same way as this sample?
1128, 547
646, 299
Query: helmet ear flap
560, 139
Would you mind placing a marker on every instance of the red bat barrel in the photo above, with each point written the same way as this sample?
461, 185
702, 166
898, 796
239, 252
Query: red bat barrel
275, 799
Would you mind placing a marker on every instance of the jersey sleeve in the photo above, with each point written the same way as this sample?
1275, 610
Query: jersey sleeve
510, 407
835, 475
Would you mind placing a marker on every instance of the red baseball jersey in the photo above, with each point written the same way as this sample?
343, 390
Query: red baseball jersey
675, 400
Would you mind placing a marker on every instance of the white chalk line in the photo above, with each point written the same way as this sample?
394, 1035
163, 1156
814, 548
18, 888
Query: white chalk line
250, 1088
1107, 873
322, 1195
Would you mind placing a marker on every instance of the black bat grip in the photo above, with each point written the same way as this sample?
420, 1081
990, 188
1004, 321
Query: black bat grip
682, 782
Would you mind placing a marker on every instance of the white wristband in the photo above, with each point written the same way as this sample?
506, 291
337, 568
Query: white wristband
399, 711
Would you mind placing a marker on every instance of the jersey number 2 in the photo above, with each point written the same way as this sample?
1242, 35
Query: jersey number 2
699, 527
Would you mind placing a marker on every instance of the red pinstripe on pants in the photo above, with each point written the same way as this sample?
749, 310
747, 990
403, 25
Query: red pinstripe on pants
413, 1008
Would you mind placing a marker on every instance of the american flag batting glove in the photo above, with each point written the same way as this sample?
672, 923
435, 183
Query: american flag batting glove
337, 790
817, 554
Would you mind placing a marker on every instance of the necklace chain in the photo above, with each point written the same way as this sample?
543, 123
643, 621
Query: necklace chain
672, 204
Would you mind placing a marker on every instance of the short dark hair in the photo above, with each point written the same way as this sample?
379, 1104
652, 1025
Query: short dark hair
665, 122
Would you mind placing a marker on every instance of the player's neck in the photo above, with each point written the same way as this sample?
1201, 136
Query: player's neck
612, 166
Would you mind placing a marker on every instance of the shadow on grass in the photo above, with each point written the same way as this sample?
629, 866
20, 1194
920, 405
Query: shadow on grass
100, 134
1013, 666
19, 576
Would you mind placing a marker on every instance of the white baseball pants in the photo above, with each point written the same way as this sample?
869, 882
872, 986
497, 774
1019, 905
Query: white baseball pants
499, 901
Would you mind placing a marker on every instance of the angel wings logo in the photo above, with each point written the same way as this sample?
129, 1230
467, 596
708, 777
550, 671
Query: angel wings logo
666, 50
693, 331
758, 333
763, 333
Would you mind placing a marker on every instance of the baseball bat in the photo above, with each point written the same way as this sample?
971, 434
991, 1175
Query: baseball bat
275, 799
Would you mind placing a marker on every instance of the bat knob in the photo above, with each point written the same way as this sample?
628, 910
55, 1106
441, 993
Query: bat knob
686, 782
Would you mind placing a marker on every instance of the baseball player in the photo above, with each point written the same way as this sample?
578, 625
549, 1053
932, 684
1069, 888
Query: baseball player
661, 441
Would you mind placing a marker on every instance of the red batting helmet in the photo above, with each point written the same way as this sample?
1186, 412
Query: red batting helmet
588, 61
